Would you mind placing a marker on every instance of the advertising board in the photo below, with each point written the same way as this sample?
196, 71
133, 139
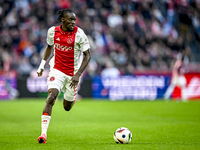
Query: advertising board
8, 86
143, 87
137, 87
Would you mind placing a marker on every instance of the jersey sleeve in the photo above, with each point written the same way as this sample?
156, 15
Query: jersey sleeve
84, 44
50, 36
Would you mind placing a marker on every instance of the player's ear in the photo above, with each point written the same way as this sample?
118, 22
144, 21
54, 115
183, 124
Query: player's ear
62, 19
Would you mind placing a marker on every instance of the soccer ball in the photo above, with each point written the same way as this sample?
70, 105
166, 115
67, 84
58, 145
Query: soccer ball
122, 135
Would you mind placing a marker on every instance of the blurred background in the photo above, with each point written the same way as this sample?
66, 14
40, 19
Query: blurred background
134, 44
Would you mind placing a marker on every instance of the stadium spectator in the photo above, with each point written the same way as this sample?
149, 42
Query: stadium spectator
66, 66
24, 22
110, 71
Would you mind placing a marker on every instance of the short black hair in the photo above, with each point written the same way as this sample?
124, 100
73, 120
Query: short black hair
62, 12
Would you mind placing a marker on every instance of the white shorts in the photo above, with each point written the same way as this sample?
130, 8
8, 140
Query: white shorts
61, 81
180, 80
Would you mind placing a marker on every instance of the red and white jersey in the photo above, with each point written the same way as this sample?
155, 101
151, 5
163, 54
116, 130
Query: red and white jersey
68, 49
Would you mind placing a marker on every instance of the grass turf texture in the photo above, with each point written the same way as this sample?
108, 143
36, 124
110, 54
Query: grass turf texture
156, 125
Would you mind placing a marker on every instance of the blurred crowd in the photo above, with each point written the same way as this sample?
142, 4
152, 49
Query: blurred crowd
128, 35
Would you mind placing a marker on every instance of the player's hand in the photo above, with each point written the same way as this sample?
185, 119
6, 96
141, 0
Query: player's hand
39, 72
74, 81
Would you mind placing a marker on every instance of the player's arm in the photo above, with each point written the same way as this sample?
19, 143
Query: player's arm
47, 54
86, 60
176, 65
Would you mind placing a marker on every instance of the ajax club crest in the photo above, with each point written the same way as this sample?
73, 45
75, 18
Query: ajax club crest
69, 40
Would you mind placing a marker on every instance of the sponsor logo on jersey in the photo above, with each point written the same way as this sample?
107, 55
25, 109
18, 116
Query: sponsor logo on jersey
62, 48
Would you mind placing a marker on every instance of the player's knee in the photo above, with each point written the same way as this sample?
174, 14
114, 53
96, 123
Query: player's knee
67, 108
67, 105
51, 98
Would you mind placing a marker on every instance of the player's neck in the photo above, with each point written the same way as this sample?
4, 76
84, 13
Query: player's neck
64, 28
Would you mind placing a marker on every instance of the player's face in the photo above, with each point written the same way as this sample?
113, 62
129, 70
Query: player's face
68, 21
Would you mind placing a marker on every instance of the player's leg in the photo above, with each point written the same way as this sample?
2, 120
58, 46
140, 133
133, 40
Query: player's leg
69, 95
69, 99
46, 117
170, 89
184, 93
51, 98
54, 82
183, 88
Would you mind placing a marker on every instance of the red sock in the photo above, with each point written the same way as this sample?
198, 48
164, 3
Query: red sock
46, 114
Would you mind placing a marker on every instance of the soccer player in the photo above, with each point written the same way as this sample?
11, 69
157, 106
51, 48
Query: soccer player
66, 66
178, 79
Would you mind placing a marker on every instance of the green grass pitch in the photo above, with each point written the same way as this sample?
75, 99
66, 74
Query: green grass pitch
156, 125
